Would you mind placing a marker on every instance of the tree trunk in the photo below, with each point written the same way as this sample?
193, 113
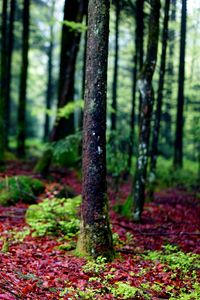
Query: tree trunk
50, 70
147, 97
170, 73
158, 111
95, 234
115, 75
178, 151
21, 134
9, 65
137, 61
3, 78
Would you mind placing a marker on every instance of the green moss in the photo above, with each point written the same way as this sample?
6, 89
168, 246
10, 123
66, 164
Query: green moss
18, 188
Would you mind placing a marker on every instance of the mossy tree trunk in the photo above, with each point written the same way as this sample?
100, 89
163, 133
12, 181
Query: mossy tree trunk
158, 111
95, 237
178, 149
137, 61
147, 97
3, 69
21, 131
115, 74
49, 92
9, 66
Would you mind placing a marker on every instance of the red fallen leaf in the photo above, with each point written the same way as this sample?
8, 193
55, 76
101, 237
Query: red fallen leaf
28, 288
6, 297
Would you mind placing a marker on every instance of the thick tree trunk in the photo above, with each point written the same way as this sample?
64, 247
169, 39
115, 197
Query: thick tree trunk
21, 134
158, 111
147, 97
9, 65
115, 74
95, 234
178, 151
50, 79
3, 80
170, 79
137, 61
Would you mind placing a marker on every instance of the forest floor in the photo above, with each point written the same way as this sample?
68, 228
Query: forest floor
157, 259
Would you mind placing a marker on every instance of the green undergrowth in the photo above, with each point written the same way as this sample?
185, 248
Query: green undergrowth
172, 274
54, 217
24, 188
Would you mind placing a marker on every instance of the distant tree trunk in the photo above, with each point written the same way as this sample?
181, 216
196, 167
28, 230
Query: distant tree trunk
178, 151
9, 64
115, 74
73, 11
137, 61
170, 73
21, 134
147, 96
158, 111
3, 69
50, 70
95, 237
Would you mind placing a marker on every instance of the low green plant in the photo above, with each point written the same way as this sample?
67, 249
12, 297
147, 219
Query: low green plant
126, 291
54, 217
24, 188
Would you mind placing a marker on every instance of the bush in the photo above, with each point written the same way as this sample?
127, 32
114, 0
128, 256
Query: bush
54, 217
18, 188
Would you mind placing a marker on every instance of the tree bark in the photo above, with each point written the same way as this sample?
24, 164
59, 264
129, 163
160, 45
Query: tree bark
115, 74
158, 111
3, 80
178, 151
21, 134
138, 62
50, 71
95, 237
147, 97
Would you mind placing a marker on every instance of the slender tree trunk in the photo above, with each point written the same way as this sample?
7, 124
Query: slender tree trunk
9, 65
170, 72
158, 111
178, 151
137, 61
147, 96
50, 71
21, 134
3, 78
95, 234
115, 75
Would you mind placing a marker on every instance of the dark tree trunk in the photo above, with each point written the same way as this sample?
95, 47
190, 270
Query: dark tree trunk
137, 61
50, 70
3, 80
178, 151
95, 234
9, 65
73, 11
147, 96
115, 74
21, 134
170, 73
158, 111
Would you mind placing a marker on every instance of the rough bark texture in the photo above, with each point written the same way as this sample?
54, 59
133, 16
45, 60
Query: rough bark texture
138, 61
115, 75
3, 81
178, 151
147, 97
158, 111
21, 134
50, 70
9, 65
95, 234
